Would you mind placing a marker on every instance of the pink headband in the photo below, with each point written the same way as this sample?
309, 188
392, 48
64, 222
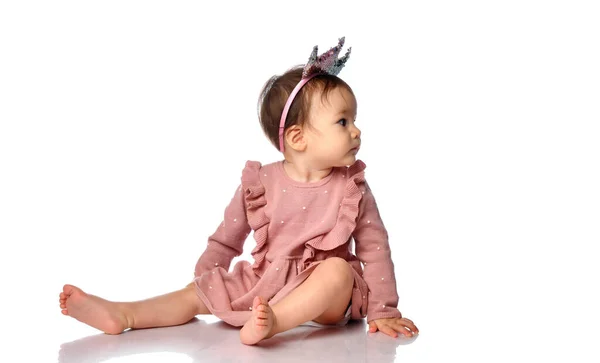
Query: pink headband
326, 63
290, 99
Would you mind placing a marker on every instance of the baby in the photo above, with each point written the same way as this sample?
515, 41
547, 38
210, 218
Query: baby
304, 211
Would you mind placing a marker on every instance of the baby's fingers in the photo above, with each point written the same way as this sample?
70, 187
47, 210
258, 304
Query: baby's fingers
389, 331
410, 325
404, 329
372, 327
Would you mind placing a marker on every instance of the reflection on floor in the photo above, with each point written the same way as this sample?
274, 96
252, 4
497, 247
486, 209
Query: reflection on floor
203, 341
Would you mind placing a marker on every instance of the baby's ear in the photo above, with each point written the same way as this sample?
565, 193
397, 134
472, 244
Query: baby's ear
296, 138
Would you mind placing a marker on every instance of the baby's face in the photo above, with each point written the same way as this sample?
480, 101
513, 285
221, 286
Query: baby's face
333, 139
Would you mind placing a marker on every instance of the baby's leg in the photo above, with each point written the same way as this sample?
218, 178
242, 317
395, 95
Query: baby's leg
323, 297
174, 308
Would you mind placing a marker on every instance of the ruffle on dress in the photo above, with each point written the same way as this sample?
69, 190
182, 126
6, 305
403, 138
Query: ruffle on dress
254, 196
347, 216
322, 247
229, 295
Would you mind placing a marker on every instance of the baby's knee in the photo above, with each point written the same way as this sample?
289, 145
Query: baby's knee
339, 270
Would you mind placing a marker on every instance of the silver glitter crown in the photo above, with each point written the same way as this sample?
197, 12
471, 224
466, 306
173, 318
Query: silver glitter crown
327, 62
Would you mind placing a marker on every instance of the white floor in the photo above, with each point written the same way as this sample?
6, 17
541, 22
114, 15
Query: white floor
215, 341
462, 328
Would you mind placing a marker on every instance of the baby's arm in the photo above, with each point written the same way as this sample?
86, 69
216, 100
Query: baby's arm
228, 240
373, 249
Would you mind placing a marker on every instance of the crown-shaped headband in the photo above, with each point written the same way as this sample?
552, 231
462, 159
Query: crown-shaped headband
326, 63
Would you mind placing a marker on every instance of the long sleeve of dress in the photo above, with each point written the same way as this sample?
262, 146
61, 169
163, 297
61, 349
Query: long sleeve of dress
373, 249
228, 240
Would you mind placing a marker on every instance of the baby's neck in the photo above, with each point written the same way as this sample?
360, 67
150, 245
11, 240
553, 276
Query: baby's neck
304, 173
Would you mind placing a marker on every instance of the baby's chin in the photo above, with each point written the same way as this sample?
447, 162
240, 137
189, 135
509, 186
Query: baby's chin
347, 161
337, 162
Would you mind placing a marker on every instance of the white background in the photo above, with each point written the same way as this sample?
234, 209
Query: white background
124, 127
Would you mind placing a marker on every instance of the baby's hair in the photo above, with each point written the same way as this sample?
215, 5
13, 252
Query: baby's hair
276, 91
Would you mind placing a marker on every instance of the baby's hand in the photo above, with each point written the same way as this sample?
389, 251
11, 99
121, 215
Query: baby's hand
390, 326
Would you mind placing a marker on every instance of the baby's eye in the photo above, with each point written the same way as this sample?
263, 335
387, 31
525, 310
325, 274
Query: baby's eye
343, 122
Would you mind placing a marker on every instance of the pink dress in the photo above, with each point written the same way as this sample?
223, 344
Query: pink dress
296, 226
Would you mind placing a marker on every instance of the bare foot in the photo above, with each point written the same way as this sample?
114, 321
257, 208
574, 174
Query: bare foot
260, 325
92, 310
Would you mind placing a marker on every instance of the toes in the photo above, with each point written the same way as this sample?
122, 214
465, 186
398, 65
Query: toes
262, 315
261, 322
68, 290
64, 311
259, 300
255, 302
260, 304
264, 308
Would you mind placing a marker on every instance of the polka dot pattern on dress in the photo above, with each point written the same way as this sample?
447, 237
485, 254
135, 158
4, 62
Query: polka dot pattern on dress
323, 207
